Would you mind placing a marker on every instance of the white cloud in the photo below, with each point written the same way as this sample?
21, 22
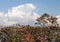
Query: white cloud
19, 14
4, 19
1, 17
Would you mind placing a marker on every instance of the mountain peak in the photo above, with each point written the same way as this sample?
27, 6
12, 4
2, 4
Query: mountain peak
45, 15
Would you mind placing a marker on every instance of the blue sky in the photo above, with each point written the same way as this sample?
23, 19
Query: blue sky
27, 11
42, 6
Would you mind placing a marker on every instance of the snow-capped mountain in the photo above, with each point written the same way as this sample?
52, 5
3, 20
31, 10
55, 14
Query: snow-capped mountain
58, 19
47, 20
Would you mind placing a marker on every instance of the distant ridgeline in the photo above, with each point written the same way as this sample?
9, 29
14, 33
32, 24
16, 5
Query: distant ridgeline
47, 20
